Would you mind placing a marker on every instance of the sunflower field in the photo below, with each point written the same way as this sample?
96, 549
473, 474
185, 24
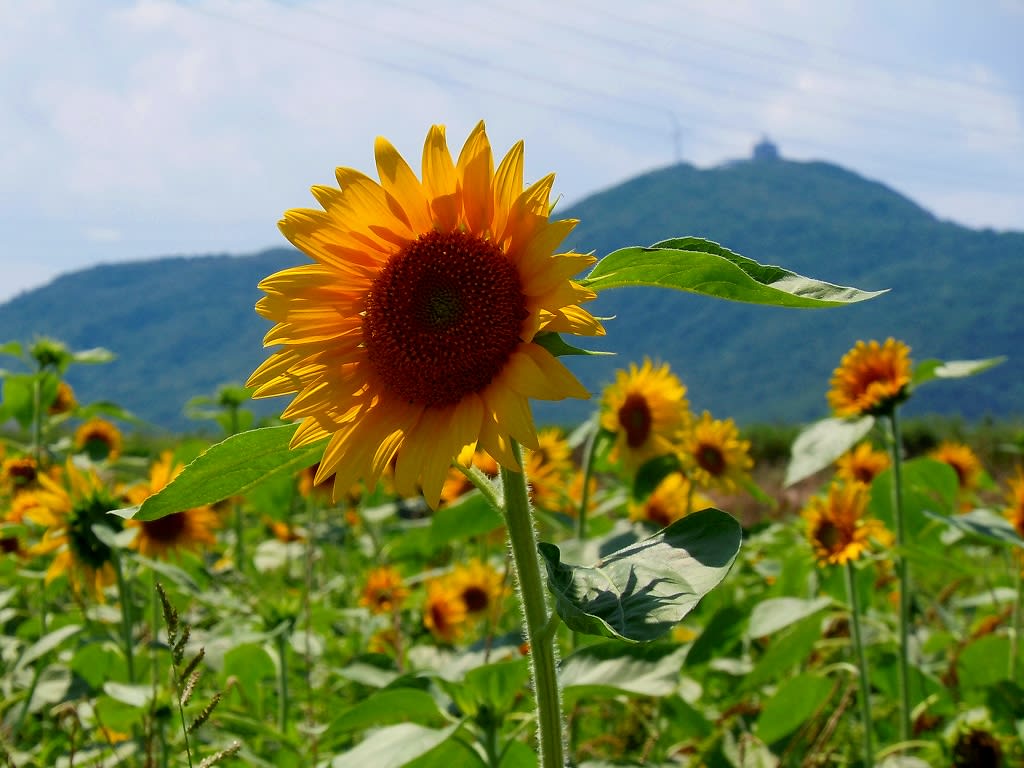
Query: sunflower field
404, 570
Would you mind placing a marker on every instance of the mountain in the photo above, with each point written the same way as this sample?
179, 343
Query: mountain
183, 326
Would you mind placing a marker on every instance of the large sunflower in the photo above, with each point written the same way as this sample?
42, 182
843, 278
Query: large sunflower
415, 331
714, 455
70, 515
871, 378
647, 409
189, 529
836, 526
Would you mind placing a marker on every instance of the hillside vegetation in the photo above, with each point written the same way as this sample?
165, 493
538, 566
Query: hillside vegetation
183, 326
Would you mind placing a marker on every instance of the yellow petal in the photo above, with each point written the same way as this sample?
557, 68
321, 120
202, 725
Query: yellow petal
475, 169
440, 180
400, 182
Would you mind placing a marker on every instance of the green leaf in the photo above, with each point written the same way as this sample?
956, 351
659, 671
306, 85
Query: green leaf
796, 701
640, 592
611, 668
984, 662
229, 468
472, 515
927, 485
558, 346
132, 695
651, 473
929, 370
18, 398
393, 747
251, 666
11, 348
45, 644
395, 705
495, 687
701, 266
93, 356
771, 616
983, 523
784, 652
720, 635
97, 663
820, 444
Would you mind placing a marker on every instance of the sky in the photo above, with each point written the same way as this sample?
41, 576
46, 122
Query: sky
135, 129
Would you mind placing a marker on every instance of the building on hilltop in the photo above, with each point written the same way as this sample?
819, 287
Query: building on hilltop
765, 150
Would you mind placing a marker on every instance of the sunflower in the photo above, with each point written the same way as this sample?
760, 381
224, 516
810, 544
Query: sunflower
444, 613
713, 454
190, 529
416, 331
672, 499
548, 468
480, 587
871, 378
963, 460
70, 513
863, 464
574, 495
1014, 511
323, 490
19, 473
646, 409
99, 439
836, 526
64, 401
385, 591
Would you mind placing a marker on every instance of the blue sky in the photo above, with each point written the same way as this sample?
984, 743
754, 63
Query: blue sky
146, 128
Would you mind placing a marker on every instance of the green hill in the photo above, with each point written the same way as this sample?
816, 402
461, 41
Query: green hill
183, 326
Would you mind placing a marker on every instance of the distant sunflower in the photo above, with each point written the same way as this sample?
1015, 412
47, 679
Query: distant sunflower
190, 529
99, 439
548, 468
19, 473
415, 332
69, 513
672, 500
646, 409
863, 464
480, 587
1014, 510
385, 590
837, 527
64, 401
444, 613
871, 378
963, 460
714, 455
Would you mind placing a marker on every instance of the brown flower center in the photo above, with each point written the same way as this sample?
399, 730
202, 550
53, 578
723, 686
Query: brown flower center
167, 529
443, 317
475, 599
635, 418
829, 536
711, 459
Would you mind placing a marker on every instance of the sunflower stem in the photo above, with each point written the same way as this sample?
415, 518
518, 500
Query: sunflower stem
532, 593
37, 419
124, 593
1018, 609
862, 660
588, 472
903, 571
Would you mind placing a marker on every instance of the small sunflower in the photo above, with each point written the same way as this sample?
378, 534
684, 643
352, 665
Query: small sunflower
672, 500
444, 613
415, 331
99, 439
282, 531
871, 378
19, 473
480, 587
836, 526
64, 401
963, 460
646, 409
70, 513
1014, 510
863, 464
385, 591
714, 455
190, 529
548, 468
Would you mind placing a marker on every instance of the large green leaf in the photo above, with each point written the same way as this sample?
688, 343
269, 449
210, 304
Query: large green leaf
395, 705
393, 747
229, 468
771, 616
821, 443
612, 668
701, 266
640, 592
794, 703
983, 523
927, 485
472, 515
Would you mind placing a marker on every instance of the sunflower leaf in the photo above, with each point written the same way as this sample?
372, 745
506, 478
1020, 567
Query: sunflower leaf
702, 266
558, 346
231, 467
643, 590
821, 443
928, 370
983, 524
